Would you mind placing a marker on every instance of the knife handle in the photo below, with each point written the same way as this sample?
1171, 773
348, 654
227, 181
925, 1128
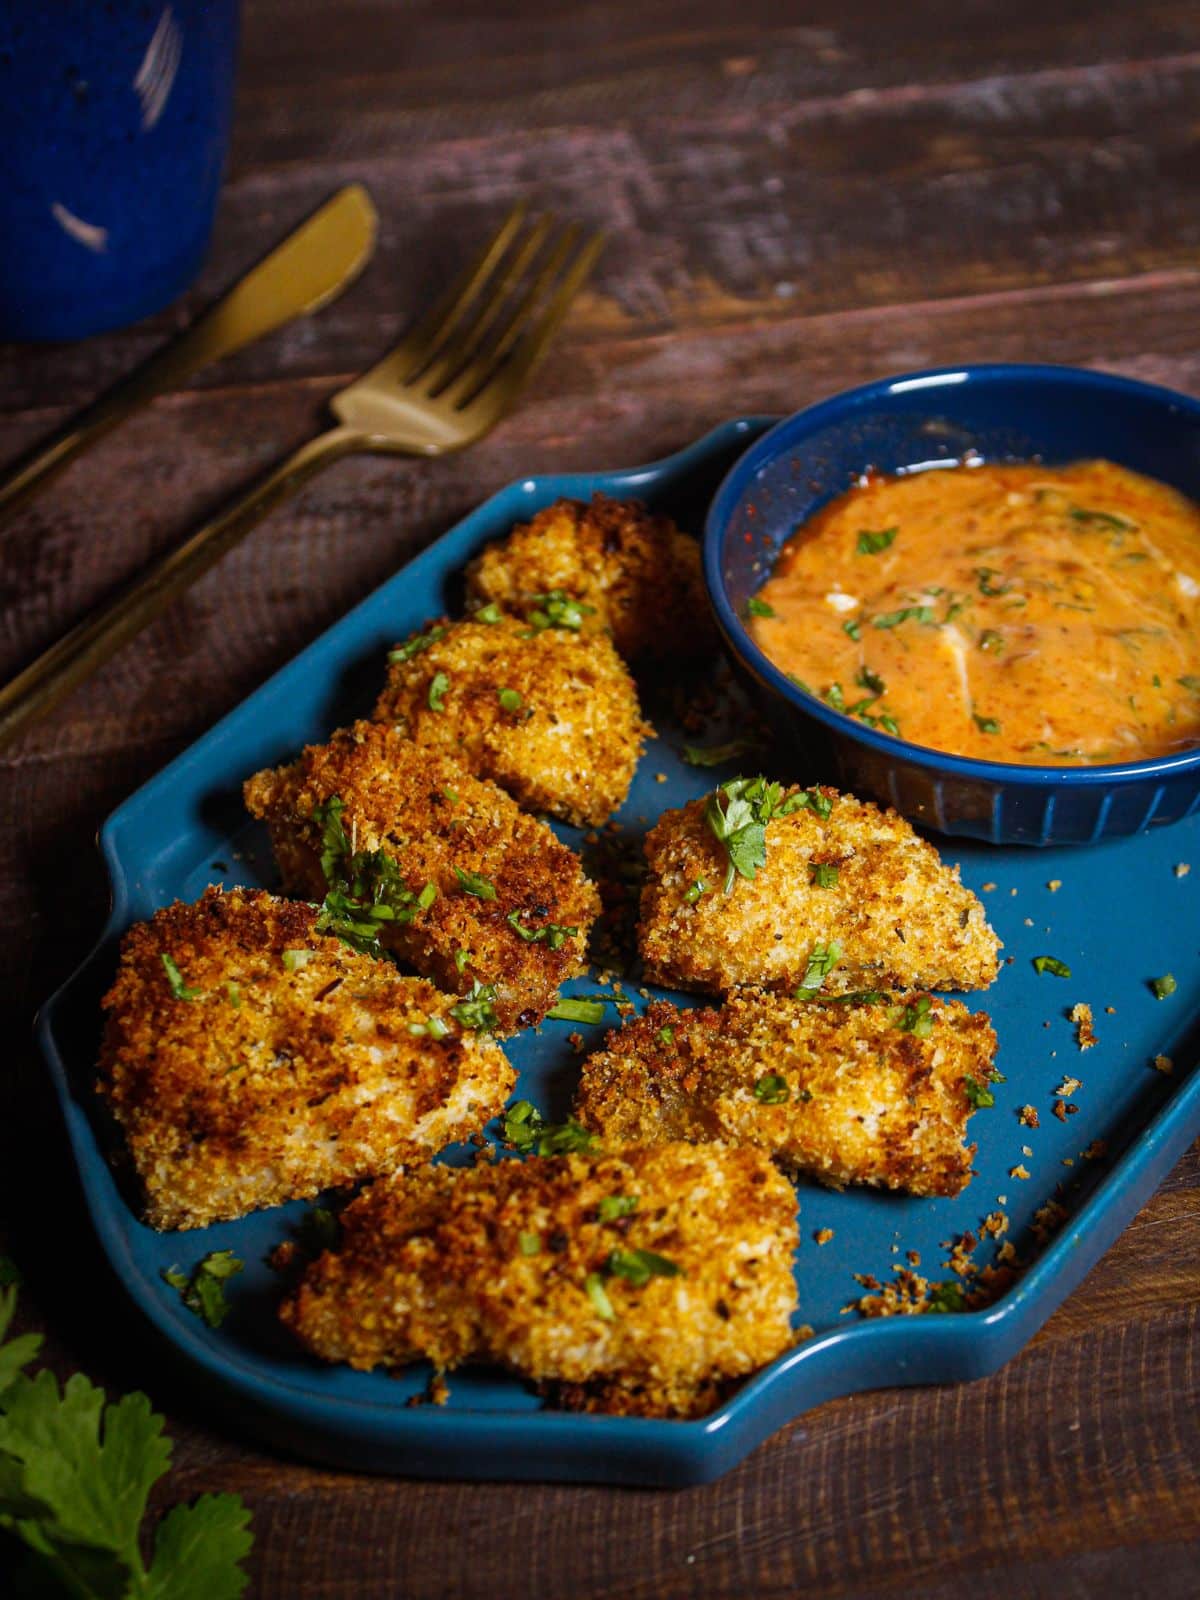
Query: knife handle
61, 668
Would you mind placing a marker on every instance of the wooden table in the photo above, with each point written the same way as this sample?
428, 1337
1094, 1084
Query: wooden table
794, 206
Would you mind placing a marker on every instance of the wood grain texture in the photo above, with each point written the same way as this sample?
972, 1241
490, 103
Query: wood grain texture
794, 206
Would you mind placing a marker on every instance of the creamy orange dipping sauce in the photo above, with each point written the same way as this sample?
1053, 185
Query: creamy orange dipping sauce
1016, 613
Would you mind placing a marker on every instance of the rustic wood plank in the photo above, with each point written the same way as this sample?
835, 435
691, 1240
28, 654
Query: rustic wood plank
795, 206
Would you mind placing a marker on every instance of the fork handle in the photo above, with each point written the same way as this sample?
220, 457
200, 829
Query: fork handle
61, 668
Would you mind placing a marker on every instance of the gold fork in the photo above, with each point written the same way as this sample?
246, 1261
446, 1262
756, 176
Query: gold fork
451, 379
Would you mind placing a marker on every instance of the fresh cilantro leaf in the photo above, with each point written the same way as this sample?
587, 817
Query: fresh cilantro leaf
198, 1549
821, 962
916, 1018
179, 989
695, 890
985, 724
772, 1089
616, 1205
521, 1125
439, 686
946, 1297
578, 1010
737, 814
594, 1288
476, 1010
14, 1353
417, 643
509, 699
991, 642
203, 1291
554, 934
714, 755
666, 1035
893, 619
1101, 519
489, 613
1051, 964
980, 1096
297, 960
871, 544
823, 874
986, 585
639, 1266
854, 628
558, 610
1164, 986
758, 608
473, 883
866, 679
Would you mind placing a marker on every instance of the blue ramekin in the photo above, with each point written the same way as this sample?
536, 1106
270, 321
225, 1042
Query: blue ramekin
999, 412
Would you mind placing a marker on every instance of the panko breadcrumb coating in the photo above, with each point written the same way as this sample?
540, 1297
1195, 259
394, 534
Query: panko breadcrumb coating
636, 572
497, 900
550, 715
855, 891
871, 1092
537, 1265
250, 1060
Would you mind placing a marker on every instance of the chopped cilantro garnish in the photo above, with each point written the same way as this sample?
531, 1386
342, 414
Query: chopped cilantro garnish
871, 544
821, 962
1164, 986
866, 679
366, 889
916, 1018
552, 933
461, 959
297, 960
986, 586
639, 1266
823, 874
179, 989
203, 1292
893, 619
569, 1010
1051, 964
759, 608
616, 1205
695, 890
529, 1244
991, 642
985, 724
489, 613
666, 1035
234, 991
438, 686
738, 812
1189, 682
417, 643
509, 700
771, 1089
594, 1287
558, 610
524, 1127
946, 1297
476, 1011
1103, 519
980, 1096
698, 756
473, 883
834, 697
853, 628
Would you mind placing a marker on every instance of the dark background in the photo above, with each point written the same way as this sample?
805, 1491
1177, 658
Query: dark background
798, 198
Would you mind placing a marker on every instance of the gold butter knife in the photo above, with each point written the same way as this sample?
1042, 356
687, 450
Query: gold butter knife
308, 270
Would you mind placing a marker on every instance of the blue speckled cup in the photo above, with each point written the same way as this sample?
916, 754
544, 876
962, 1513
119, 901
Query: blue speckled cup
116, 122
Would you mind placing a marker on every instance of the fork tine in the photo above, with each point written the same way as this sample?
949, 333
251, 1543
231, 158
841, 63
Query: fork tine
430, 334
487, 360
442, 366
496, 382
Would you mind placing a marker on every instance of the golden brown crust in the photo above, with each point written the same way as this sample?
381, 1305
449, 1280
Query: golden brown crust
432, 1264
902, 918
432, 816
866, 1100
568, 739
277, 1078
639, 574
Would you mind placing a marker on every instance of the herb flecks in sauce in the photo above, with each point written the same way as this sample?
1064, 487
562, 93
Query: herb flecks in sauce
1015, 613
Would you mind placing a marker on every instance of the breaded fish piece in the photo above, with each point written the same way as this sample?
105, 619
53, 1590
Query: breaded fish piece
849, 897
550, 715
875, 1092
251, 1059
635, 573
639, 1281
484, 900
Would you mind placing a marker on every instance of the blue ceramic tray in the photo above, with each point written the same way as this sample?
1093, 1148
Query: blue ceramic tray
1121, 917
